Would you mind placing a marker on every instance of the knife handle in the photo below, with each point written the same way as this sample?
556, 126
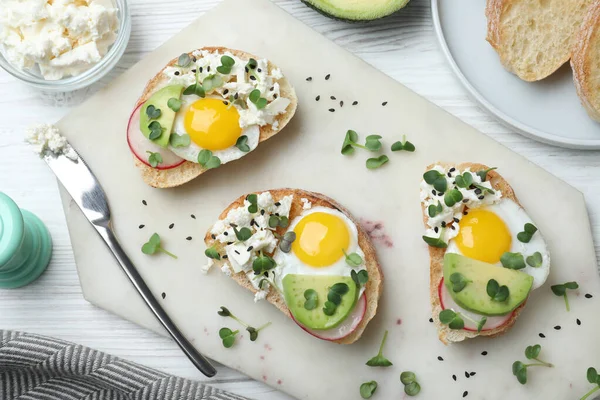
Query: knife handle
195, 357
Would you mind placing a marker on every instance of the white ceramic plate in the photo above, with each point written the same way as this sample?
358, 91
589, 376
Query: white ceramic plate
548, 111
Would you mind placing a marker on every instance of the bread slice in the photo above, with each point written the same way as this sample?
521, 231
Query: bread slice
188, 170
373, 287
585, 61
436, 267
534, 37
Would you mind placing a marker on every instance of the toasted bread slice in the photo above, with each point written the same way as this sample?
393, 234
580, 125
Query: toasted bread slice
373, 287
436, 267
534, 38
188, 170
585, 61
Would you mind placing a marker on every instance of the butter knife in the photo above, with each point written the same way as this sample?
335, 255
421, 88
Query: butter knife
84, 188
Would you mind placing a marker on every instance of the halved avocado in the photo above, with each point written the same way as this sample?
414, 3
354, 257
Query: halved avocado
356, 10
474, 296
167, 116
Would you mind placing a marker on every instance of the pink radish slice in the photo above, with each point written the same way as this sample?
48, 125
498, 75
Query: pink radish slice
140, 145
447, 301
346, 327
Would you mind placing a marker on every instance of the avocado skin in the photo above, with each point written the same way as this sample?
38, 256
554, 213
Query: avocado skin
351, 20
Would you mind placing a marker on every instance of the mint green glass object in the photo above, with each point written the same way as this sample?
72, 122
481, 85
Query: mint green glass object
25, 245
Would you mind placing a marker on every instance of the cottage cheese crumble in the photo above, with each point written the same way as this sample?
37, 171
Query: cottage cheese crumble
46, 139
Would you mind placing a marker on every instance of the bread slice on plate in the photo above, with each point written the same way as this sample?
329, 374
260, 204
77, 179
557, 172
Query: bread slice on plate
489, 213
585, 61
278, 222
534, 38
231, 86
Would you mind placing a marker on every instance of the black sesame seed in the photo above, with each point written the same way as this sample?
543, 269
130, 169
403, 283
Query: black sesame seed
454, 377
259, 70
384, 103
193, 216
465, 213
454, 182
452, 169
194, 71
557, 327
481, 197
229, 243
472, 373
236, 96
477, 191
141, 226
171, 226
433, 192
225, 102
449, 175
262, 212
542, 335
277, 204
188, 238
332, 110
249, 249
237, 252
275, 96
318, 98
200, 69
309, 78
144, 202
452, 227
465, 393
194, 59
355, 103
588, 296
272, 88
226, 233
467, 375
430, 319
465, 201
246, 68
163, 295
208, 69
456, 220
436, 229
443, 224
276, 214
332, 97
213, 236
225, 92
224, 256
176, 72
484, 353
578, 321
342, 103
327, 77
440, 358
252, 78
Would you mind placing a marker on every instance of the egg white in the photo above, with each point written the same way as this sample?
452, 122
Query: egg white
515, 219
288, 263
190, 153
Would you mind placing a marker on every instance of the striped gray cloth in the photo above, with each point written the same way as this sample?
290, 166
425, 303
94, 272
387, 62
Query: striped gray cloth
34, 367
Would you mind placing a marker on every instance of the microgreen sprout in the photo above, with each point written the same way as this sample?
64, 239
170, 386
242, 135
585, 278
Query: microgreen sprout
535, 260
561, 290
483, 173
436, 242
262, 263
184, 60
154, 159
459, 282
156, 130
285, 243
379, 360
594, 378
212, 82
242, 144
275, 222
360, 278
251, 67
153, 245
207, 160
519, 369
312, 299
226, 64
174, 104
455, 320
436, 179
224, 312
527, 234
212, 253
228, 337
403, 145
243, 234
512, 260
353, 259
377, 162
372, 143
152, 112
496, 292
259, 102
464, 181
195, 88
253, 200
177, 140
409, 380
367, 389
235, 100
334, 297
452, 197
434, 210
484, 189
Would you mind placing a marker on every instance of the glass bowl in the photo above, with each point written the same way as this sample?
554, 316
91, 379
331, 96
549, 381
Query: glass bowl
89, 76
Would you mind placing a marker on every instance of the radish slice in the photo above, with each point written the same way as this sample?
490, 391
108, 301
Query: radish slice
140, 145
346, 327
447, 301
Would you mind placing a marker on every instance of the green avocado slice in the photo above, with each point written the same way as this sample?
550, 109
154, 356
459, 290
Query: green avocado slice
294, 287
356, 10
167, 116
474, 296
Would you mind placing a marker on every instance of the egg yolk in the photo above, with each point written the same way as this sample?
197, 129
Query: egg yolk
321, 239
212, 125
483, 236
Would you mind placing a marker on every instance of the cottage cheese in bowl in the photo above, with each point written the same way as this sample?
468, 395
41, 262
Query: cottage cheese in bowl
57, 38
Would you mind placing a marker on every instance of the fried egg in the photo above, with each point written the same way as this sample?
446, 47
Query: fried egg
212, 125
322, 236
486, 233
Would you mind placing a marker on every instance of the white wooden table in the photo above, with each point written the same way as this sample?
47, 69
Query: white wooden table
403, 46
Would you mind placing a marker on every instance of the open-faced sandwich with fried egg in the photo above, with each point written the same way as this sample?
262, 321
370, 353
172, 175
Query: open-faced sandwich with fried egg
487, 255
303, 253
204, 109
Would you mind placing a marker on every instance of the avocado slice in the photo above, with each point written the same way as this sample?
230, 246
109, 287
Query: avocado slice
294, 287
167, 116
474, 296
356, 10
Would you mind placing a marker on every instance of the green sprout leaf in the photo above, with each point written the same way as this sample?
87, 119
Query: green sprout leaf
226, 64
212, 252
285, 244
452, 319
459, 282
329, 308
379, 360
464, 181
436, 242
412, 389
253, 200
407, 377
226, 332
592, 375
535, 260
483, 173
377, 162
207, 160
434, 210
532, 352
528, 232
481, 324
519, 369
156, 130
174, 104
242, 144
262, 264
252, 64
353, 259
224, 312
154, 159
336, 292
259, 102
360, 278
349, 142
196, 89
275, 222
484, 189
367, 389
243, 234
153, 112
436, 179
452, 197
496, 292
184, 60
373, 143
561, 290
312, 299
403, 145
153, 246
228, 337
512, 260
177, 140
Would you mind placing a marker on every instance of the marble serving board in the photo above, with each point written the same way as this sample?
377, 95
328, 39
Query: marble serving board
307, 155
